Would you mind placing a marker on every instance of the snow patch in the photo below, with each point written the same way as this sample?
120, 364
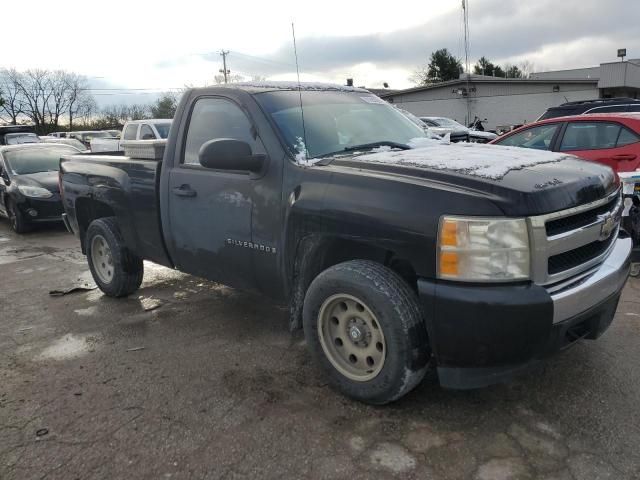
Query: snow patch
487, 161
382, 148
302, 154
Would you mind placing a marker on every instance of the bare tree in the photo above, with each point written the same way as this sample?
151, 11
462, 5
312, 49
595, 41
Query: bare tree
12, 106
78, 97
36, 92
138, 111
85, 110
58, 104
527, 68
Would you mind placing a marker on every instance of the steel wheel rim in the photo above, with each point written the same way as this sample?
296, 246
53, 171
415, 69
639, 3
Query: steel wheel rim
351, 337
102, 259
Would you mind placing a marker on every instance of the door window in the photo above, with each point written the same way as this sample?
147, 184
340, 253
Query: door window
146, 133
214, 118
130, 132
627, 137
590, 136
539, 137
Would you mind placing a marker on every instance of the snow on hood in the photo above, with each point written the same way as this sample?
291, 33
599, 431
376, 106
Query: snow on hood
487, 161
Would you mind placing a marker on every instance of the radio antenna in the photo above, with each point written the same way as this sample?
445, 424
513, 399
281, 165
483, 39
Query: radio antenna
304, 130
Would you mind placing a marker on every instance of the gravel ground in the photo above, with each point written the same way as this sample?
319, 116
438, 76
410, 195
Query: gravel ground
191, 379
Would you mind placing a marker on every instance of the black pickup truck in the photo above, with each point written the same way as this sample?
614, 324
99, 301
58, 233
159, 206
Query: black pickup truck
395, 253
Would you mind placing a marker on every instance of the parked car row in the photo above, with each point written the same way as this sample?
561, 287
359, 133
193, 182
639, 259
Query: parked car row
19, 134
151, 129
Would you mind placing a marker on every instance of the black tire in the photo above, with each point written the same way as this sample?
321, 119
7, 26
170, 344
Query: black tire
127, 270
19, 224
397, 312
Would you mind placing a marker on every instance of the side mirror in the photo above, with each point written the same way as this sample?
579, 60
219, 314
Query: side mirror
148, 136
229, 154
5, 176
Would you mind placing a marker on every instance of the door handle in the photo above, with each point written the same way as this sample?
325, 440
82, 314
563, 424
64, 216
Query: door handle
184, 191
625, 156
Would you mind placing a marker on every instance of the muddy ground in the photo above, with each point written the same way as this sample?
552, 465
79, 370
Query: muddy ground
189, 379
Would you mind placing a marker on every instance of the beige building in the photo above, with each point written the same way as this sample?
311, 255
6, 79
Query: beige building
515, 101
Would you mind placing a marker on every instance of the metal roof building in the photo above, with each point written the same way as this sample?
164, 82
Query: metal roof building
515, 101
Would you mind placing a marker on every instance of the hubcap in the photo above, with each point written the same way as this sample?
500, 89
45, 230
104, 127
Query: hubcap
102, 259
351, 337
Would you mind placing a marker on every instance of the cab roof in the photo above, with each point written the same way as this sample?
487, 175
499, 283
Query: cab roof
268, 86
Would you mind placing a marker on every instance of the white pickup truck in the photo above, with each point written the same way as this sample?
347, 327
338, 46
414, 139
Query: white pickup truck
152, 129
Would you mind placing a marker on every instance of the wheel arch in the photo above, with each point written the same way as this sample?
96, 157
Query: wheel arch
317, 252
87, 210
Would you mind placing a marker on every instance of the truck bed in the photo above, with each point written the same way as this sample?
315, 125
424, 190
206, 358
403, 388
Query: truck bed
128, 187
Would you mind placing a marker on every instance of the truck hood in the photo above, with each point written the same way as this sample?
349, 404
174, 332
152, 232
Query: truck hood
521, 182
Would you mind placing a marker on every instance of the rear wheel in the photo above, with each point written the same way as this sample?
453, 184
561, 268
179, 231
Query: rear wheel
116, 271
18, 222
365, 328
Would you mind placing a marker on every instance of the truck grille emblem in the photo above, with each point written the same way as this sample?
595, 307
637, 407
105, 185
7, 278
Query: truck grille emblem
608, 226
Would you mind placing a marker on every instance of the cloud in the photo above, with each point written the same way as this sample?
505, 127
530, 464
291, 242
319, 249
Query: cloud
502, 31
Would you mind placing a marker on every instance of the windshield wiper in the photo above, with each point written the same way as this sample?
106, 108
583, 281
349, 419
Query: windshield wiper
327, 158
386, 143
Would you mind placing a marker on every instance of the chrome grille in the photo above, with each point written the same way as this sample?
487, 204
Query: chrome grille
567, 243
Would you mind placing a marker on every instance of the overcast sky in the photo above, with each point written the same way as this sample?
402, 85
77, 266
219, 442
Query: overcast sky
162, 45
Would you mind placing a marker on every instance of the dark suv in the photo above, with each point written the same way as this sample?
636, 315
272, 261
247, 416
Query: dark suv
600, 105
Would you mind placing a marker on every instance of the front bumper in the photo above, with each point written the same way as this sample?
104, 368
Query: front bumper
485, 334
37, 210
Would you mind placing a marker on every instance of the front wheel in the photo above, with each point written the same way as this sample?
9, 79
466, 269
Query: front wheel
19, 224
116, 271
364, 326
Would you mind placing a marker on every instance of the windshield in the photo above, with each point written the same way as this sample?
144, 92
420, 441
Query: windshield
34, 160
68, 141
163, 129
335, 121
19, 138
447, 122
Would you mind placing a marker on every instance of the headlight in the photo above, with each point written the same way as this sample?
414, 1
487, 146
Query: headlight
483, 249
35, 192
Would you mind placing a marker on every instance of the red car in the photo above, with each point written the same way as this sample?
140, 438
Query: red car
612, 139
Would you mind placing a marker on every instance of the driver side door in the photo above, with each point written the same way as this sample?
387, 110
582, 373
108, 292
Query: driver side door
210, 211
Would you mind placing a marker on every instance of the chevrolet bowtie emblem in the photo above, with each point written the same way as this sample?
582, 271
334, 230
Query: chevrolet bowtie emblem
608, 226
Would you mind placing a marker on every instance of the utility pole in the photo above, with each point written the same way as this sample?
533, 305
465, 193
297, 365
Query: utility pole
465, 20
224, 70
